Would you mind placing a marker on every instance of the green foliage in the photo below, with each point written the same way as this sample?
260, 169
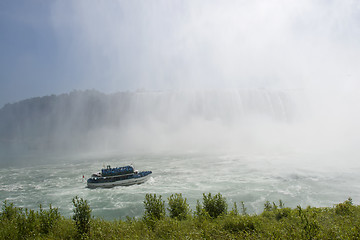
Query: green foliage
214, 206
271, 207
199, 209
48, 218
243, 208
23, 221
275, 211
18, 223
178, 207
200, 212
82, 216
276, 223
9, 211
23, 226
234, 210
282, 213
344, 208
309, 223
281, 204
236, 224
154, 207
267, 206
167, 229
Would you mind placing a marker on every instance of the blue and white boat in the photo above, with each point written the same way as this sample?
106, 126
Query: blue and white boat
119, 176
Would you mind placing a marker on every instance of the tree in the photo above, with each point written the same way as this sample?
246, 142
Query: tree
82, 215
154, 207
215, 206
178, 207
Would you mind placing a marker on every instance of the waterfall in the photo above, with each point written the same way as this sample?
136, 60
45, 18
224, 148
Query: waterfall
90, 119
226, 106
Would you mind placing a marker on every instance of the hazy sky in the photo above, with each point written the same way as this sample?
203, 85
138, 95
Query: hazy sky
51, 47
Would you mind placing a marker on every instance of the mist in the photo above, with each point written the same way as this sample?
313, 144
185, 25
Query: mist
170, 76
238, 121
163, 45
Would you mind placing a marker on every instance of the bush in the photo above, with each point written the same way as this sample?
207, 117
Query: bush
344, 208
154, 207
267, 206
178, 207
26, 224
309, 223
240, 223
9, 212
48, 218
214, 206
282, 213
271, 207
18, 222
234, 211
82, 215
200, 212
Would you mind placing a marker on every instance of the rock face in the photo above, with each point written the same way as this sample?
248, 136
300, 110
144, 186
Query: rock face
90, 119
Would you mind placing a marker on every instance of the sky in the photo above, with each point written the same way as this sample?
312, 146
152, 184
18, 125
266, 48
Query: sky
53, 47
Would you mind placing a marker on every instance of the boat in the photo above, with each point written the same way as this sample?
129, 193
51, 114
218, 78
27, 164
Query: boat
118, 176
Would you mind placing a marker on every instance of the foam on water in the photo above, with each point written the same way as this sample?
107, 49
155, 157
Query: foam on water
249, 178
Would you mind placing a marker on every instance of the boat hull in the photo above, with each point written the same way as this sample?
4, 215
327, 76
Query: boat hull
124, 182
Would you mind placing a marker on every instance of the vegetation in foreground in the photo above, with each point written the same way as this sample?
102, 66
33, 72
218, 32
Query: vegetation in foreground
210, 220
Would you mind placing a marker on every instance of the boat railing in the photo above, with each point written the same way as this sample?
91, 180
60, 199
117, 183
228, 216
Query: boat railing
117, 171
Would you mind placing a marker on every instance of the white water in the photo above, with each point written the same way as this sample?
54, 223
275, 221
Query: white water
297, 180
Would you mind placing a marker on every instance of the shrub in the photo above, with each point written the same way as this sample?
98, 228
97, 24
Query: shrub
344, 208
243, 208
234, 211
178, 207
19, 222
267, 206
308, 219
215, 206
240, 223
281, 204
9, 212
26, 224
271, 207
200, 212
282, 213
82, 215
48, 218
272, 210
154, 207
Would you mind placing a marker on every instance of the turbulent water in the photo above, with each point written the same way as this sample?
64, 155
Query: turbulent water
297, 180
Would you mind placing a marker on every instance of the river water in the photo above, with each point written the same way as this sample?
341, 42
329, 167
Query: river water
251, 178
